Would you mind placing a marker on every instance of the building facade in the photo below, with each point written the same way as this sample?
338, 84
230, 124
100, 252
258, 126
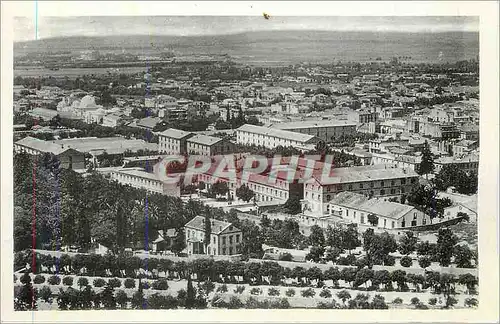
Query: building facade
271, 138
225, 239
173, 141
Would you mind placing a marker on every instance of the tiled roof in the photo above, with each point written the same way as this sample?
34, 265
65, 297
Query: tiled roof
217, 226
312, 124
299, 137
375, 206
364, 173
204, 140
175, 133
41, 145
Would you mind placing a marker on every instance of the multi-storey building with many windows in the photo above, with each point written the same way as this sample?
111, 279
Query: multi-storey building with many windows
271, 137
373, 181
173, 141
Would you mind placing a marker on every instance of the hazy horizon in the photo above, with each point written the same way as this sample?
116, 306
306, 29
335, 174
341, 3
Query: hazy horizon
92, 26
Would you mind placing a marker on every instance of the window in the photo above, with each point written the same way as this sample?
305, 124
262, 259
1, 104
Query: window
231, 250
381, 183
424, 221
371, 185
362, 219
414, 216
385, 222
403, 223
393, 191
382, 192
350, 187
328, 197
237, 238
392, 224
347, 212
214, 240
224, 251
361, 186
393, 182
231, 239
354, 215
223, 240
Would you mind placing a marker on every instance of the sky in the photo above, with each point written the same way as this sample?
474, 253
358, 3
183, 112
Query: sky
48, 27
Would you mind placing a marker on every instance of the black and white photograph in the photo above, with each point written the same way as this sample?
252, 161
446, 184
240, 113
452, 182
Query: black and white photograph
235, 162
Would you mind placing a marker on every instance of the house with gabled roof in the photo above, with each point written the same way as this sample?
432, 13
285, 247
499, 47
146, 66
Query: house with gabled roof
354, 207
225, 238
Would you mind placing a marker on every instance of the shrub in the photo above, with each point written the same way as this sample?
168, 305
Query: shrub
421, 306
451, 301
397, 300
433, 301
325, 293
273, 292
46, 294
378, 302
290, 292
99, 282
129, 283
424, 262
208, 286
286, 257
121, 298
390, 260
54, 280
239, 289
160, 284
39, 279
114, 283
222, 288
309, 292
282, 303
406, 261
68, 281
415, 301
235, 303
82, 282
145, 285
323, 305
256, 291
470, 302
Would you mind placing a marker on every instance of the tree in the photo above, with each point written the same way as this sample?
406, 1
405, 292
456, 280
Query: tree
121, 299
407, 243
292, 205
378, 302
399, 276
179, 242
244, 193
26, 298
463, 256
452, 176
468, 280
424, 262
191, 294
373, 219
406, 261
426, 165
138, 300
344, 295
445, 246
350, 237
208, 231
108, 298
220, 188
316, 238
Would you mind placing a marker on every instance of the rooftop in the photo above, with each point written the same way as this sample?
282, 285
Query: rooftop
276, 133
375, 206
312, 124
204, 139
364, 173
217, 226
175, 133
41, 145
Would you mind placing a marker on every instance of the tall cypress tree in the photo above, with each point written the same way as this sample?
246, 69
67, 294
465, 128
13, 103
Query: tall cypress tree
190, 294
426, 166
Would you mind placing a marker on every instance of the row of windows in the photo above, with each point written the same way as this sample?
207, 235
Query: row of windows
362, 185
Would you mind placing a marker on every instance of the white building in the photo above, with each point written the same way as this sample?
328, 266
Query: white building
271, 138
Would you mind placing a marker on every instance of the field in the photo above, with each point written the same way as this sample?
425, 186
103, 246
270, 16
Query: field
284, 47
73, 72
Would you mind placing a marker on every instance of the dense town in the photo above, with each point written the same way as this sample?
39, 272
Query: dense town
392, 225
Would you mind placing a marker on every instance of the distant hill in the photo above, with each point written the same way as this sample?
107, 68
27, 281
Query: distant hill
289, 46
